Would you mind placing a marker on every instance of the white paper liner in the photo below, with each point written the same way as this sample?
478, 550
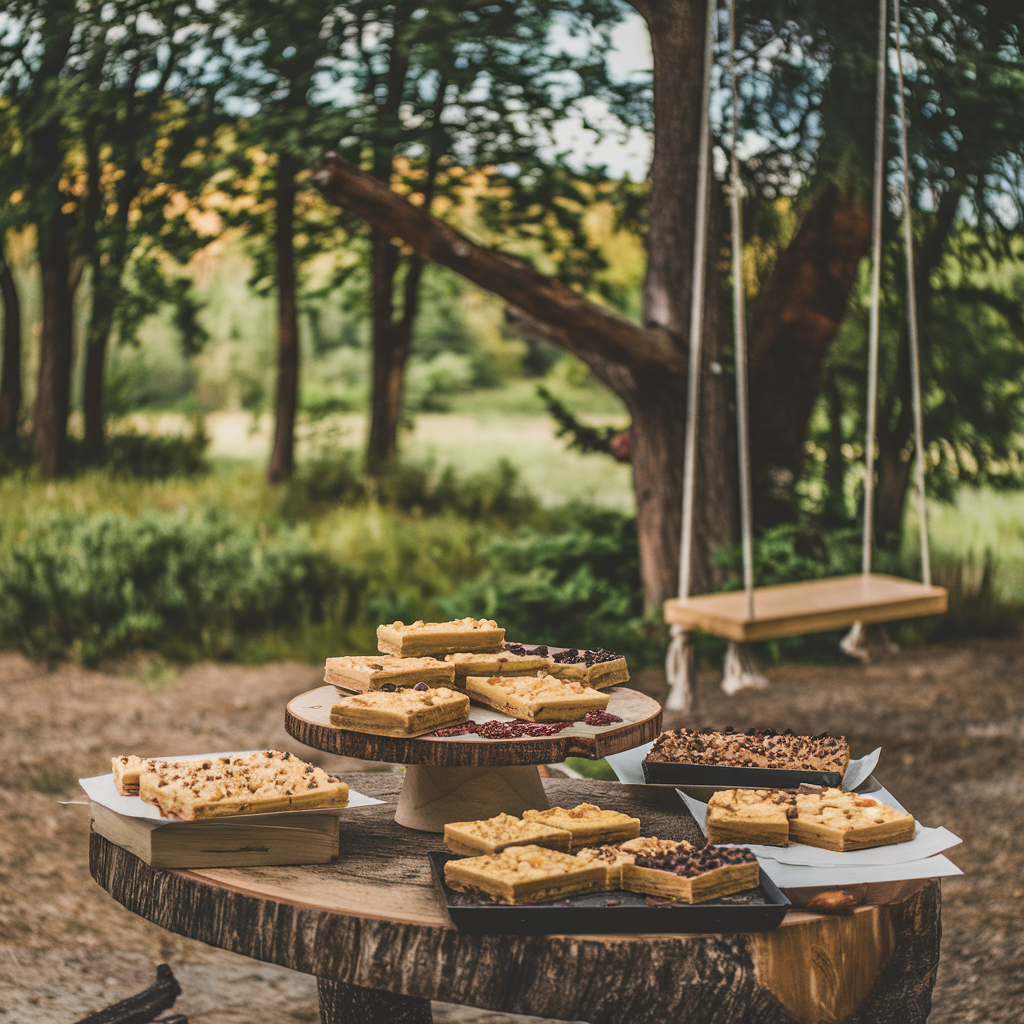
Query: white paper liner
101, 790
927, 842
628, 766
800, 876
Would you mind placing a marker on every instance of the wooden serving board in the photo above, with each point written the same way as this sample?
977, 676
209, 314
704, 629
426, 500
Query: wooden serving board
308, 719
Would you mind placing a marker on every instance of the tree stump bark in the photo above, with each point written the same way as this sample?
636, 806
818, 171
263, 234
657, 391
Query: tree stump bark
341, 1003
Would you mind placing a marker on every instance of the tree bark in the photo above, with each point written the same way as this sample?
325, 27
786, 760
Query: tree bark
282, 459
49, 439
101, 322
792, 325
10, 365
390, 352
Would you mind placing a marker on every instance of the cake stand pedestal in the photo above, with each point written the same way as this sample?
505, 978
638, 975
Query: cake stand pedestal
464, 778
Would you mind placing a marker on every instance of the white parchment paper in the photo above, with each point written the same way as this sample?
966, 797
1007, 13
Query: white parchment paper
101, 790
927, 842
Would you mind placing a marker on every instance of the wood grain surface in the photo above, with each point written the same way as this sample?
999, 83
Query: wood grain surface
373, 920
812, 606
308, 719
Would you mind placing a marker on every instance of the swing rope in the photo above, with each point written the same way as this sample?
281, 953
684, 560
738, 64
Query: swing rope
700, 247
739, 325
915, 358
877, 198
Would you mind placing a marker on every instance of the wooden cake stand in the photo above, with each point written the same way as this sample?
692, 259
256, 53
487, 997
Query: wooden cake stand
465, 778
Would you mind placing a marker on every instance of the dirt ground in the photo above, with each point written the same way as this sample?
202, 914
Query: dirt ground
950, 720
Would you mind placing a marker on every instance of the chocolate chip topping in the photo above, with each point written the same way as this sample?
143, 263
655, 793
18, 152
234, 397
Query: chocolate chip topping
764, 748
690, 863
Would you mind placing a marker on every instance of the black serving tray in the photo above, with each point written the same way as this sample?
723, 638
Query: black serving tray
756, 910
668, 773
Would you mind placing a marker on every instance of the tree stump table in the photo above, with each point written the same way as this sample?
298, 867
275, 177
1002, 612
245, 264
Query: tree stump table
372, 928
465, 778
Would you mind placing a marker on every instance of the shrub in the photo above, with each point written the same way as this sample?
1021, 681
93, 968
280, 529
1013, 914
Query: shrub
101, 584
130, 454
577, 587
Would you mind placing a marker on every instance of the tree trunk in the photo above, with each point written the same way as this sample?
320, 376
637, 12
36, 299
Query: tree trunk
101, 322
282, 459
389, 353
49, 439
10, 365
792, 326
658, 401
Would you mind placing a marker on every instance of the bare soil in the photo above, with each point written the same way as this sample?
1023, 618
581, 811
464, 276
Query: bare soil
950, 720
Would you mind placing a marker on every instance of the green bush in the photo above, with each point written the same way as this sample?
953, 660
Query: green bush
408, 486
131, 455
578, 587
191, 586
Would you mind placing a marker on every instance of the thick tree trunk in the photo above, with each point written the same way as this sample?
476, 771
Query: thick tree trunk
792, 325
390, 352
10, 365
49, 439
100, 324
282, 459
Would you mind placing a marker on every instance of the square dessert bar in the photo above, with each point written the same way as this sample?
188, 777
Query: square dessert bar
524, 874
614, 857
249, 784
536, 698
755, 748
402, 713
692, 876
127, 768
596, 667
502, 663
492, 835
828, 818
750, 816
374, 672
834, 820
589, 825
436, 639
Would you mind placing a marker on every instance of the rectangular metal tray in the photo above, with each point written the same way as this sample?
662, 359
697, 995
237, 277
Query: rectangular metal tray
667, 773
757, 910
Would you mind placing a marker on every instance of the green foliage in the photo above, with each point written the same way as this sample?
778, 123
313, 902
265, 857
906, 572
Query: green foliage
97, 585
131, 455
409, 486
581, 438
576, 584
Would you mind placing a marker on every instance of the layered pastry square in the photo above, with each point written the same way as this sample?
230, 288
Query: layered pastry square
127, 768
374, 672
755, 748
750, 816
613, 857
401, 713
692, 876
524, 874
589, 825
813, 815
595, 666
492, 835
834, 820
536, 698
436, 639
502, 663
250, 784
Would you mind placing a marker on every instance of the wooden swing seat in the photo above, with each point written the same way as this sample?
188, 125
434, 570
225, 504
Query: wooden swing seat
813, 606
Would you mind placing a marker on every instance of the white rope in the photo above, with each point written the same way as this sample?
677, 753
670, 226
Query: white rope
876, 287
700, 245
915, 359
739, 325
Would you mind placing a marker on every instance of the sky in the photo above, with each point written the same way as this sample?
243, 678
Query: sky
630, 155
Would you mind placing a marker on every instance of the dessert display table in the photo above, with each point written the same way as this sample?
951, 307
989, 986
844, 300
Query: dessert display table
464, 778
372, 929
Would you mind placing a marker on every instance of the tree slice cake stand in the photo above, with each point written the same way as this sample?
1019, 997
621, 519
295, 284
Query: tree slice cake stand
463, 778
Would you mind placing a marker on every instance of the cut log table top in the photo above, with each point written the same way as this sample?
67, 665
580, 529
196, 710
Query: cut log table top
811, 606
373, 929
308, 719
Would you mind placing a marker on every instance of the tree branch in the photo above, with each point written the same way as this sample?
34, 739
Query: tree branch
544, 298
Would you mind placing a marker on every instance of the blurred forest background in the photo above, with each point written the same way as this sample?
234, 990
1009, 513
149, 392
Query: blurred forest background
237, 422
